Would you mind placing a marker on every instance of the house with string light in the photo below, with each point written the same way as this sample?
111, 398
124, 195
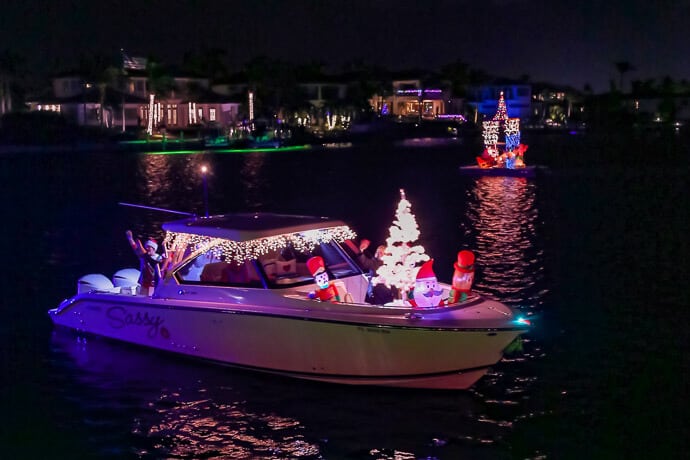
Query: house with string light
131, 101
411, 100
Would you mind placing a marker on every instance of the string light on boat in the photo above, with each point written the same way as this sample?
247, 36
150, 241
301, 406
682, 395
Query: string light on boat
512, 130
240, 251
490, 132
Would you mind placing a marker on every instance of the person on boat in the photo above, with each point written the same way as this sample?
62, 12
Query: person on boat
377, 293
326, 291
150, 262
426, 292
463, 277
368, 262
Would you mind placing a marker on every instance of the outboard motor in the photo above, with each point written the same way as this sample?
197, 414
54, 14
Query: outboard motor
94, 282
126, 277
127, 280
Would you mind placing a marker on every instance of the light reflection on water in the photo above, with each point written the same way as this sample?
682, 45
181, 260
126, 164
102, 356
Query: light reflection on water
170, 407
254, 180
502, 217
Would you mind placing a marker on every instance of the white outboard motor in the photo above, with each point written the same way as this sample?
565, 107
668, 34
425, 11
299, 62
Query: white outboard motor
94, 282
127, 280
126, 277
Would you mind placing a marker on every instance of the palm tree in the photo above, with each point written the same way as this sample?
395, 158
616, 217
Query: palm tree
623, 67
160, 84
9, 68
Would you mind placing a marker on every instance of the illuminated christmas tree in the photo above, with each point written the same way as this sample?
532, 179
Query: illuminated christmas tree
402, 258
501, 111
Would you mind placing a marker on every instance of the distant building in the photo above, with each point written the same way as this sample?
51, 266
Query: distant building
410, 100
127, 104
556, 107
483, 99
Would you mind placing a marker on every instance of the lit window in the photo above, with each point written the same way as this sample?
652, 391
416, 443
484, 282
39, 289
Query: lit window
212, 114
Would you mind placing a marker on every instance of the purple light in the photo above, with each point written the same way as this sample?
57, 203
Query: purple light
452, 117
418, 92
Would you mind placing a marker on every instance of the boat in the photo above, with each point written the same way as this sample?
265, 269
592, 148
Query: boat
503, 153
238, 292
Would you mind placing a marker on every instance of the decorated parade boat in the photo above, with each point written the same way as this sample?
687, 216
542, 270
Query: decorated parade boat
503, 153
239, 289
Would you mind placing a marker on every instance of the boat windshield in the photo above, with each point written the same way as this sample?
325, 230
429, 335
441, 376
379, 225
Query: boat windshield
278, 268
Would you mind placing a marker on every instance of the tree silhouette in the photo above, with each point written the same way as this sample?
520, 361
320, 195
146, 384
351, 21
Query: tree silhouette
10, 64
623, 67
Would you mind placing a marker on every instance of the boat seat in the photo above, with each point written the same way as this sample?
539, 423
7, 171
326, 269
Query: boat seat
214, 272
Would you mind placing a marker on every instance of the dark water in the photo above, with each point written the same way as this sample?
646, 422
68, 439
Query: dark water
595, 251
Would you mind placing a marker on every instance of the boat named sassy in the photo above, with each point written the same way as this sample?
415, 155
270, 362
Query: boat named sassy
239, 290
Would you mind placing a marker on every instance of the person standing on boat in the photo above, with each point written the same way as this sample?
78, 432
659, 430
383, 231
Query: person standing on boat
367, 261
149, 262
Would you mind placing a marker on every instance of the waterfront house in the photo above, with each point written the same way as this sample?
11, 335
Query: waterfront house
133, 103
517, 95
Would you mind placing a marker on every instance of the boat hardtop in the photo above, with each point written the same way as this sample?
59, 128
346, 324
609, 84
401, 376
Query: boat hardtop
250, 226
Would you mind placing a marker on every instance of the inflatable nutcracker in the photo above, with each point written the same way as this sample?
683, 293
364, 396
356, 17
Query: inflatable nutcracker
463, 276
326, 290
426, 292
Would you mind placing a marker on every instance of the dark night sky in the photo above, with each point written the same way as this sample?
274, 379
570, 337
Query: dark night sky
563, 42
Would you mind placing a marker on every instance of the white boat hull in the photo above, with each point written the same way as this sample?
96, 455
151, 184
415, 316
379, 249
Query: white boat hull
352, 344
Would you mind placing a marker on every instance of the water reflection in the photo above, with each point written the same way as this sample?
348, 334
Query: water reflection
254, 180
173, 179
503, 220
177, 408
183, 411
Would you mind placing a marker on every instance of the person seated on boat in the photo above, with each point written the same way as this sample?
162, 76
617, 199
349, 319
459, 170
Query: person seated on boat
377, 293
149, 262
215, 272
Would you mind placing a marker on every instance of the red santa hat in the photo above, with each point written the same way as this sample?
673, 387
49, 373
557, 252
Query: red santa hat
316, 265
425, 271
465, 261
151, 244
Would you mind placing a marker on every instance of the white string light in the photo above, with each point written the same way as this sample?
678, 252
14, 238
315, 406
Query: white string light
240, 251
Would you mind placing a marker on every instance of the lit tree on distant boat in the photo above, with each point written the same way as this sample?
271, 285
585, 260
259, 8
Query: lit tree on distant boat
402, 258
